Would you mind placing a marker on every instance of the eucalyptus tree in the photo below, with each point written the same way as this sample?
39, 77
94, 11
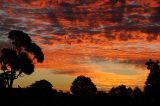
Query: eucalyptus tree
19, 57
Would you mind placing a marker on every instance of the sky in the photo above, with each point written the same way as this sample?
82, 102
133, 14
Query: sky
106, 40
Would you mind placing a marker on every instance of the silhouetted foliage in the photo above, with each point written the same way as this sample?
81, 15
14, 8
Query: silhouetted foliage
121, 94
41, 88
19, 38
152, 85
36, 50
41, 85
101, 97
120, 91
83, 86
101, 93
42, 93
137, 95
19, 57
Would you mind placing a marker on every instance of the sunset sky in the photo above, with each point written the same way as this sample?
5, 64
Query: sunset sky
106, 40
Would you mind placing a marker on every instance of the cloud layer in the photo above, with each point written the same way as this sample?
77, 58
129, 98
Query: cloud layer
80, 21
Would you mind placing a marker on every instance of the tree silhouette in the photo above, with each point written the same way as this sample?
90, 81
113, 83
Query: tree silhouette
120, 91
19, 57
41, 88
137, 95
83, 86
120, 94
152, 84
41, 85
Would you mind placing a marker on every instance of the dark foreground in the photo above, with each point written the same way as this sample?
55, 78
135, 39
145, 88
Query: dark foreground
25, 97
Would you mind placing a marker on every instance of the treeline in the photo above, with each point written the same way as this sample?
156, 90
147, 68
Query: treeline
84, 92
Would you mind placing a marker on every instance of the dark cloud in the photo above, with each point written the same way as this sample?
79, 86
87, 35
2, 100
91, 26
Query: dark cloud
110, 36
67, 11
124, 37
156, 15
151, 29
64, 72
85, 2
152, 37
69, 72
54, 19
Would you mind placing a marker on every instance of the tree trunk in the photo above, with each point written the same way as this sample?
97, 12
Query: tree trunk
12, 78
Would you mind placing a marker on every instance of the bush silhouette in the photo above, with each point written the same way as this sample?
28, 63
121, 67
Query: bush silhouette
19, 57
83, 86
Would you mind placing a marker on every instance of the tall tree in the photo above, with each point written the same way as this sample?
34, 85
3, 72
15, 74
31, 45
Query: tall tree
152, 84
19, 57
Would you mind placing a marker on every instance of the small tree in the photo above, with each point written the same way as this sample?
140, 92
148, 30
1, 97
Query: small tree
83, 86
19, 57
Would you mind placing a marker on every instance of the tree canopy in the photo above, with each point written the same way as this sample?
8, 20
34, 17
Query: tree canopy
19, 57
83, 86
